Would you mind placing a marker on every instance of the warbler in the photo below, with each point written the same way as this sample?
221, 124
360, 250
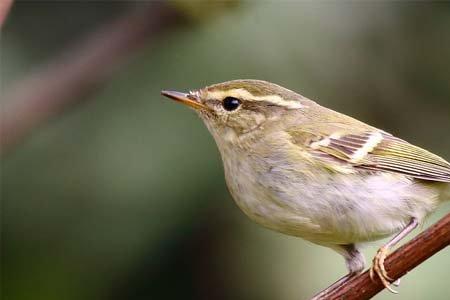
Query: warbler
305, 170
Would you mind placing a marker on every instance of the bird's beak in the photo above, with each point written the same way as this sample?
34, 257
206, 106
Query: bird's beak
188, 99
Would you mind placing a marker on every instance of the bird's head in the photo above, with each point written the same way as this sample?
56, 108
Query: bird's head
235, 108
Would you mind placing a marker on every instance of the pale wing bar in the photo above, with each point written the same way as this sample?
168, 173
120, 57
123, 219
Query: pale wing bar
396, 155
377, 150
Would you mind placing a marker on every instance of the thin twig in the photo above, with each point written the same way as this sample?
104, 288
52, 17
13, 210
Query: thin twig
79, 71
5, 6
400, 262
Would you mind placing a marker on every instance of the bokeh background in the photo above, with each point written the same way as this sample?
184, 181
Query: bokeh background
120, 193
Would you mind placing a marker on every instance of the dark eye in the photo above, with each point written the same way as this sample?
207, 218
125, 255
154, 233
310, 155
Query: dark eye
231, 103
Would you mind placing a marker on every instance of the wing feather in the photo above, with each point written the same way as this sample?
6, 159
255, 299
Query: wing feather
377, 150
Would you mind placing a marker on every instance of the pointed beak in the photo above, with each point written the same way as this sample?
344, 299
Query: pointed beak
188, 99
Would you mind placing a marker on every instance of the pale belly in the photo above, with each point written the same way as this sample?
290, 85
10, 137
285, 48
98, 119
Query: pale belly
325, 209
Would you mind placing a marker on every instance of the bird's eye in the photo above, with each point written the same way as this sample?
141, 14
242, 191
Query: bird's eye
231, 103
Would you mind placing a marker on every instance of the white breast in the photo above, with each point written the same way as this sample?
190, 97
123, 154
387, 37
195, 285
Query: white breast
322, 207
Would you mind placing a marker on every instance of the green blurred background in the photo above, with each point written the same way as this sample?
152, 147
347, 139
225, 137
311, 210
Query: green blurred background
123, 196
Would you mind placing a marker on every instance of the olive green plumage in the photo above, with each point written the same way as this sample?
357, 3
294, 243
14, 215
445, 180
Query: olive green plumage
301, 169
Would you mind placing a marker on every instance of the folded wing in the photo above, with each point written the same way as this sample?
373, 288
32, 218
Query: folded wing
377, 150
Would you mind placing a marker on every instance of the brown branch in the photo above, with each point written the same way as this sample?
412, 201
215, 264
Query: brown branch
5, 6
400, 262
77, 73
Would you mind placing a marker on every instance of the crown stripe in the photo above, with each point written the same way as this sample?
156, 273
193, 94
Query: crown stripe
243, 94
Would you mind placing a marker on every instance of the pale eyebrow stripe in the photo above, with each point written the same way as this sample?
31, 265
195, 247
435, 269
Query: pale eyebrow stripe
246, 95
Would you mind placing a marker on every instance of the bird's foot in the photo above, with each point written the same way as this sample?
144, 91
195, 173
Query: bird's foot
378, 269
396, 283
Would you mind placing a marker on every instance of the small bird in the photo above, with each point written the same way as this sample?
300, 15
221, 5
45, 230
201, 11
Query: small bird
304, 170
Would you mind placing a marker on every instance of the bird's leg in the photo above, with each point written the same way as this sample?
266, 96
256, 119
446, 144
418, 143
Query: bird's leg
378, 260
355, 264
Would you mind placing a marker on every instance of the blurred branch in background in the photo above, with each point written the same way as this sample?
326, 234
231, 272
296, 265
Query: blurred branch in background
79, 71
399, 263
5, 6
